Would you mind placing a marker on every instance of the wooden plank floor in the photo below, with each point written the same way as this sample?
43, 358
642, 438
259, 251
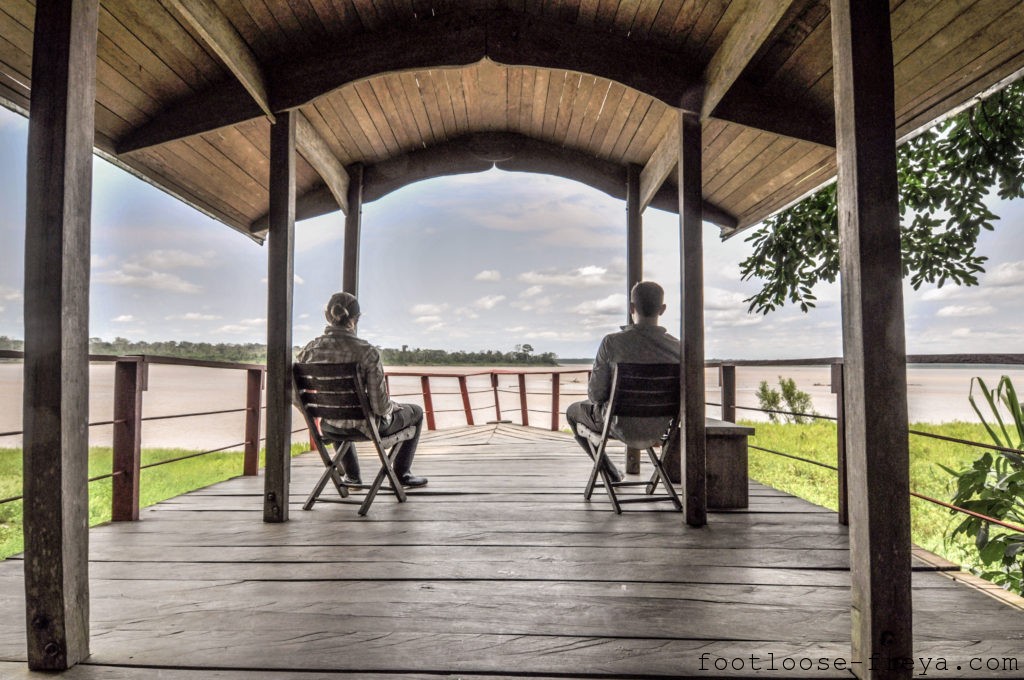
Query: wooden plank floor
498, 568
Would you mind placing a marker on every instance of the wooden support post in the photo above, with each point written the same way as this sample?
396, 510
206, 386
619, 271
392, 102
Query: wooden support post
253, 414
497, 401
56, 369
634, 266
727, 379
353, 226
691, 267
280, 276
129, 382
428, 402
841, 483
522, 400
466, 406
556, 407
874, 348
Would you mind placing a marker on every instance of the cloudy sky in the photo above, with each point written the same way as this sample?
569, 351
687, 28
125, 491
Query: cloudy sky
482, 261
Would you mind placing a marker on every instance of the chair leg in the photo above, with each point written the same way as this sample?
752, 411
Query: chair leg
659, 471
387, 469
599, 469
331, 473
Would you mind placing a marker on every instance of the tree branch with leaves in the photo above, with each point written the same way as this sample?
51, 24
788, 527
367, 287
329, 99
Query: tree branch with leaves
945, 176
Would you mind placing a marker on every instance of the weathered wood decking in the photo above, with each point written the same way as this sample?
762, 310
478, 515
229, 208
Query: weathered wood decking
497, 568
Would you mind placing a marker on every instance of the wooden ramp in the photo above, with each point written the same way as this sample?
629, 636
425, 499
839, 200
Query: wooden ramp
498, 568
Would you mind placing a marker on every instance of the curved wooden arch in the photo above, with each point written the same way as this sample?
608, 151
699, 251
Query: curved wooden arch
446, 41
479, 152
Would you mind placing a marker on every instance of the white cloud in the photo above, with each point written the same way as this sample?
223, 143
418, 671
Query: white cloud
427, 309
431, 319
124, 318
581, 277
100, 261
192, 316
298, 279
435, 327
488, 301
134, 276
614, 304
242, 326
488, 275
538, 304
174, 259
10, 294
532, 291
966, 310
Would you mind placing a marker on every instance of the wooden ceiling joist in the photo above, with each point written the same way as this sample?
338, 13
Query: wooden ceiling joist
311, 145
758, 21
661, 164
216, 31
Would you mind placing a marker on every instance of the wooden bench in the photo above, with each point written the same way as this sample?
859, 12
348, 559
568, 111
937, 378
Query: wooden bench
727, 464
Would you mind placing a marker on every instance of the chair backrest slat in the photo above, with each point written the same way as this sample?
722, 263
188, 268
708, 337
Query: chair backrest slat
645, 390
332, 391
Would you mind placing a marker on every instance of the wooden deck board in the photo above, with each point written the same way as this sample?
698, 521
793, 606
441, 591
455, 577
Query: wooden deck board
497, 568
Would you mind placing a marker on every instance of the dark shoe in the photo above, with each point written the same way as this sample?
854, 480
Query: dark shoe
351, 481
411, 481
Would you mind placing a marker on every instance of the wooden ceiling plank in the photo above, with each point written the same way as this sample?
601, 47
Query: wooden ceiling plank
746, 149
583, 106
567, 105
220, 35
445, 92
492, 82
337, 137
606, 10
540, 96
819, 166
641, 108
367, 14
556, 89
210, 182
622, 112
268, 26
604, 118
160, 33
379, 118
315, 149
411, 110
746, 37
351, 110
625, 15
652, 129
645, 17
752, 187
351, 136
587, 15
250, 157
659, 167
923, 23
700, 22
514, 97
400, 121
471, 94
526, 100
140, 58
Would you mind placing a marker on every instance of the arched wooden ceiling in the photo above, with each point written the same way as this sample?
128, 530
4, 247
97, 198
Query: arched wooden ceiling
186, 89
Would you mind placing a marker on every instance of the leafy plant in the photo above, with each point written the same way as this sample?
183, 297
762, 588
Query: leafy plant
994, 486
945, 175
796, 401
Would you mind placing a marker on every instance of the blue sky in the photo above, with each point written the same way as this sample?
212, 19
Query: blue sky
482, 261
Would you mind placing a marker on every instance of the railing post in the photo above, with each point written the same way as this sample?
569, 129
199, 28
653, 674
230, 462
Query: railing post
497, 402
428, 402
253, 412
555, 409
465, 400
837, 389
727, 379
522, 400
129, 382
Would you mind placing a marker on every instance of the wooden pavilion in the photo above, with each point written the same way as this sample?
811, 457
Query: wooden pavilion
261, 112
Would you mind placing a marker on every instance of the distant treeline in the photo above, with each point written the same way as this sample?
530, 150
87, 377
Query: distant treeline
252, 352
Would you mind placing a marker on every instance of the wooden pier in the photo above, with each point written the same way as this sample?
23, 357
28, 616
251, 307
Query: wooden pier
498, 568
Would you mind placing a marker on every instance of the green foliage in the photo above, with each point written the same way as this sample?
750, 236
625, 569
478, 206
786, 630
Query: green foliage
944, 176
793, 399
250, 352
157, 484
994, 486
521, 355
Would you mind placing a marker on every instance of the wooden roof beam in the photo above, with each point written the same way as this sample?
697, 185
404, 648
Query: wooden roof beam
758, 21
663, 161
216, 31
312, 146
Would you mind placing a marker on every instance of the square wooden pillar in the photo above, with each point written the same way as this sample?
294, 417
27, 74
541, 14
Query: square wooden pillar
353, 227
56, 391
280, 277
634, 266
694, 472
874, 351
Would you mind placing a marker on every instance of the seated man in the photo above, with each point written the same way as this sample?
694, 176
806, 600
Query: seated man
339, 345
644, 342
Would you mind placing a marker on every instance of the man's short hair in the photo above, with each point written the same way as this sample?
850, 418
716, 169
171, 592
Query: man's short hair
647, 297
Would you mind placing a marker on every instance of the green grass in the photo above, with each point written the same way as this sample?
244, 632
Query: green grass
930, 523
157, 484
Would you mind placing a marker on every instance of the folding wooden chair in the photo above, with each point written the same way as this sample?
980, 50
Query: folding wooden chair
336, 392
648, 391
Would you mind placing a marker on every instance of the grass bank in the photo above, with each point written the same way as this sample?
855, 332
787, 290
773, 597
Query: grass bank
930, 523
157, 484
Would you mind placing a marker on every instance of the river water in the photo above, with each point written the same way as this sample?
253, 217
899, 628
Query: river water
936, 393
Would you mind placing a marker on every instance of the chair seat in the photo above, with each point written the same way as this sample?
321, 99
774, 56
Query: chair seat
387, 442
595, 438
